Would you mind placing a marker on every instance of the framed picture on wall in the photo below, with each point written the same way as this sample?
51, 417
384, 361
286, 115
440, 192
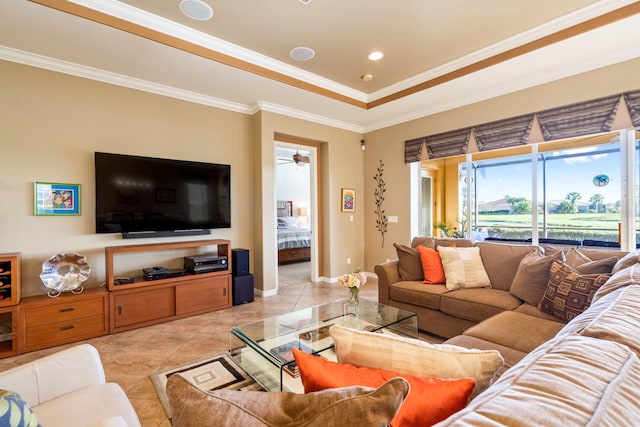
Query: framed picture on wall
348, 200
51, 198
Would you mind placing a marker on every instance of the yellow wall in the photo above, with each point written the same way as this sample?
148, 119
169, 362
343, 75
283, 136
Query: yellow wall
388, 145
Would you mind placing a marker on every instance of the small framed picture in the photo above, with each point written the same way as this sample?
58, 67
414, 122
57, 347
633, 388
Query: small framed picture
348, 200
52, 198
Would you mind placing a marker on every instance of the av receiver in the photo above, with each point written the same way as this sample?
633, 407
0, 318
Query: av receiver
205, 263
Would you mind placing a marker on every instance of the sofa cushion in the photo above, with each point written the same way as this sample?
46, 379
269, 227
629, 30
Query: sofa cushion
582, 263
501, 261
515, 330
429, 400
15, 412
416, 293
568, 292
532, 276
79, 408
627, 261
414, 357
477, 305
534, 311
434, 242
463, 268
431, 266
409, 264
511, 356
192, 407
615, 317
577, 381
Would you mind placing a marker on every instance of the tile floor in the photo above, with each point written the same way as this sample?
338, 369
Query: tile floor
130, 357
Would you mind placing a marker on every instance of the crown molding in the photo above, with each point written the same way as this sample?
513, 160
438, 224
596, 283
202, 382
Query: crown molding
65, 67
298, 114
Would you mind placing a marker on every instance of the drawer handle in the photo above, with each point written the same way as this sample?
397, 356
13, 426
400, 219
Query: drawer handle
66, 310
66, 328
120, 310
224, 292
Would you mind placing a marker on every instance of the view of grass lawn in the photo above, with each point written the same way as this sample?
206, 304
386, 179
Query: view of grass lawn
578, 226
577, 220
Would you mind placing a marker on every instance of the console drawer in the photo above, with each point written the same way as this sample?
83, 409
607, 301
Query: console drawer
46, 322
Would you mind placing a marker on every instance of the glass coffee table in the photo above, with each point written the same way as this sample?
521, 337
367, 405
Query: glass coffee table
263, 348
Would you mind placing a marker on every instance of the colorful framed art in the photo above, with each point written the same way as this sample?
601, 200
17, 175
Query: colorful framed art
348, 200
51, 198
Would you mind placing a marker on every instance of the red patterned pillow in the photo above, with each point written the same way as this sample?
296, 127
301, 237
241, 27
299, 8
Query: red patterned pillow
431, 266
568, 292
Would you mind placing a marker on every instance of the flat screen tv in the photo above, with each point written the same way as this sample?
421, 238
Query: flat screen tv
146, 196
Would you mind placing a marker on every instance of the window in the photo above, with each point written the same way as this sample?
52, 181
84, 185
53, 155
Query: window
562, 192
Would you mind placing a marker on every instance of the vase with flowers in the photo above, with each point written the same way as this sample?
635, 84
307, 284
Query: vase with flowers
353, 281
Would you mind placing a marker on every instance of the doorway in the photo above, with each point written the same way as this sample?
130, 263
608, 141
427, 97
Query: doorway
296, 204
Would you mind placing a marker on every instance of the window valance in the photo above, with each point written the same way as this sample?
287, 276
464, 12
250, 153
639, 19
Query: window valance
632, 99
504, 133
582, 118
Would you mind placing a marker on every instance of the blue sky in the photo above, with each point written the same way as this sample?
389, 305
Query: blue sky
563, 176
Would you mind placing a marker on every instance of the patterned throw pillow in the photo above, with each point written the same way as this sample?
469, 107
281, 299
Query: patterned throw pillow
568, 292
463, 268
15, 412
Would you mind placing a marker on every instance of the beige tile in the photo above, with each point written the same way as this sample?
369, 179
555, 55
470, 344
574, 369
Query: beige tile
130, 357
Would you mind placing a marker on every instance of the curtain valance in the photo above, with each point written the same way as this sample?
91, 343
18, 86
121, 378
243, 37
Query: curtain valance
632, 99
582, 118
504, 133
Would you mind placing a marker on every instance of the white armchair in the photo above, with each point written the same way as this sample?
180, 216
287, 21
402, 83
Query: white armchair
69, 389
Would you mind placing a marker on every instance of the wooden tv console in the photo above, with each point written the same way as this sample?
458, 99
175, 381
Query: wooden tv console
38, 322
147, 302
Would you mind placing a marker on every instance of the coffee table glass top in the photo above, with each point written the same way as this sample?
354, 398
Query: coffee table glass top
263, 348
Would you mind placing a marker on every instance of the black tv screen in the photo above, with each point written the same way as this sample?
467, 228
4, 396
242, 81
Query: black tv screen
145, 194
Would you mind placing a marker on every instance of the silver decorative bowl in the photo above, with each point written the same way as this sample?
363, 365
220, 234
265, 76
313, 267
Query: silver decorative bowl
65, 272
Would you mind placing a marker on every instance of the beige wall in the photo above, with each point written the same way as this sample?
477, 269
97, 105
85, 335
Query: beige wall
50, 126
342, 166
388, 144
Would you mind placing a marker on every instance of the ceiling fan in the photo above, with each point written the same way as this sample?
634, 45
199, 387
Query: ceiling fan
297, 158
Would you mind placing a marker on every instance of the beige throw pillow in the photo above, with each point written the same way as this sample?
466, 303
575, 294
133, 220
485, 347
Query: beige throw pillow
532, 276
463, 268
192, 407
408, 356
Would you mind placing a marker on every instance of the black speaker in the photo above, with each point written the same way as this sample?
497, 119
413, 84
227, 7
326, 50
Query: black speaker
242, 289
239, 262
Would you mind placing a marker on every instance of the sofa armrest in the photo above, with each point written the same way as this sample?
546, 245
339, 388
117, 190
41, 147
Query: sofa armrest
52, 376
387, 274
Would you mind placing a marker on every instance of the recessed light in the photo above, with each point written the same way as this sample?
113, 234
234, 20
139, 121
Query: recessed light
196, 9
302, 53
367, 77
375, 56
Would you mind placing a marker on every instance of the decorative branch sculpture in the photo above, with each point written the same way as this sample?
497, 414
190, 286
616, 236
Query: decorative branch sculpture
381, 220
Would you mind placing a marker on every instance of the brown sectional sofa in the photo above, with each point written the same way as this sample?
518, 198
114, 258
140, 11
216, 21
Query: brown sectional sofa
586, 374
484, 318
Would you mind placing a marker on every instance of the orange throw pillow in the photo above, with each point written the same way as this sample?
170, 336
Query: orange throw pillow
430, 400
431, 266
